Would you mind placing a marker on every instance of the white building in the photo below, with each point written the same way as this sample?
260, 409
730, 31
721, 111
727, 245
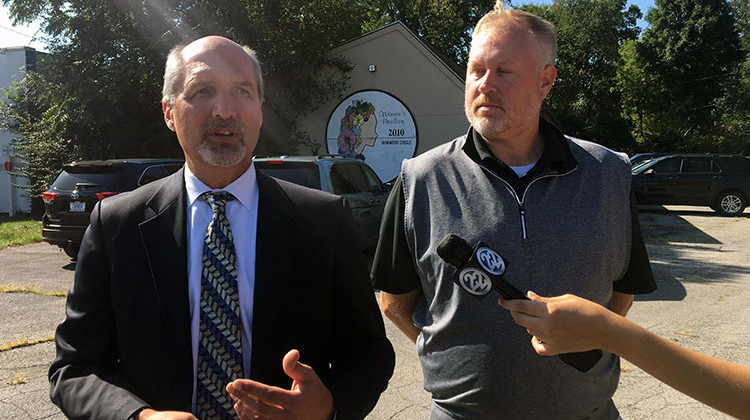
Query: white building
14, 61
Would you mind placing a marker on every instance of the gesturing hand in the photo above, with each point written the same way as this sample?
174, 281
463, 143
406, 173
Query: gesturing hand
308, 397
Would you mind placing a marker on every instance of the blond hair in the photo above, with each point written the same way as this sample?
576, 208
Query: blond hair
540, 29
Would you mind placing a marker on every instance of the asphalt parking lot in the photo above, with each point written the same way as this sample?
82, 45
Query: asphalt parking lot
701, 262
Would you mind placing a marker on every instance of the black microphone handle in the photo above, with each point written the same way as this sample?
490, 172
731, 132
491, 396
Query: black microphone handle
582, 361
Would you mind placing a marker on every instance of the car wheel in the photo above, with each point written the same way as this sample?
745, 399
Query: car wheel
730, 203
71, 251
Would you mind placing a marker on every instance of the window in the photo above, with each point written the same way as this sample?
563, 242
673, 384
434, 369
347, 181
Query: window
301, 173
152, 173
696, 164
667, 166
373, 181
347, 178
172, 168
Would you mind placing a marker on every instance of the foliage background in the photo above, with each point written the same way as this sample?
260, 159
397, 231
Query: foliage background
683, 84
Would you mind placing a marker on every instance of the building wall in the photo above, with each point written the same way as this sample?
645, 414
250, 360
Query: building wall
407, 70
13, 199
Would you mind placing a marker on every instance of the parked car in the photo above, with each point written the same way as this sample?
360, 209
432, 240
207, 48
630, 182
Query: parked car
350, 178
721, 182
80, 185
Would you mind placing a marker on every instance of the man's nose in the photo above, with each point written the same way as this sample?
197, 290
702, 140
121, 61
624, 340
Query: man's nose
488, 82
224, 106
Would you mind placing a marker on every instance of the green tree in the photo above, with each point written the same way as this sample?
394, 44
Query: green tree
585, 97
735, 120
45, 125
103, 74
447, 25
640, 88
691, 56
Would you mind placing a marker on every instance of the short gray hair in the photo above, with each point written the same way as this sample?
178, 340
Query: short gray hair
541, 29
175, 68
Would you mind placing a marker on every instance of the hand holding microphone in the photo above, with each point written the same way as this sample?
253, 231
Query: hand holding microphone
480, 270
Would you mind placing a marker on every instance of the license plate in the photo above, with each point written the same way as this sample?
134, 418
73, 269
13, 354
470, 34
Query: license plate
77, 207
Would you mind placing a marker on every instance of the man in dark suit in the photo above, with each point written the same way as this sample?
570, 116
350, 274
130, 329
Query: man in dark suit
291, 308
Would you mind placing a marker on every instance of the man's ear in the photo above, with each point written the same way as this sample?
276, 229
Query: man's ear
167, 109
547, 79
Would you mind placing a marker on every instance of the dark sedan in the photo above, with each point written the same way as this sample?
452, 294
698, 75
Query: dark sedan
721, 182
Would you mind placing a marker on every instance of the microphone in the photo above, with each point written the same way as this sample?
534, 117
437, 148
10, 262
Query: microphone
480, 270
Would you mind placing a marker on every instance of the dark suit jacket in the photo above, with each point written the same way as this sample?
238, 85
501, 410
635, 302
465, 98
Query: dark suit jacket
125, 341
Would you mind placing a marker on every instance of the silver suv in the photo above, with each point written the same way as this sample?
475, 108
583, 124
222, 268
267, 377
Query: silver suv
352, 179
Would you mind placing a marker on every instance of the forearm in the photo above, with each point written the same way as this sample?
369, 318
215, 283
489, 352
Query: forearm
407, 327
400, 310
621, 303
718, 383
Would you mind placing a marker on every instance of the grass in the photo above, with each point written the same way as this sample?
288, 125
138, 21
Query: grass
32, 290
25, 343
17, 379
19, 232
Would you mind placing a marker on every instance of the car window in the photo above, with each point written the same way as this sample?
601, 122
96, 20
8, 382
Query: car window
360, 181
373, 182
734, 164
341, 181
667, 166
152, 173
347, 178
172, 168
300, 173
696, 164
105, 177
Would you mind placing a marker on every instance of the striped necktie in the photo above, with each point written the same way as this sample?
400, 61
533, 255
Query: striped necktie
220, 346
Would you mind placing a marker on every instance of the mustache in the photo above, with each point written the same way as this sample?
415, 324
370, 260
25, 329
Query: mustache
221, 124
485, 99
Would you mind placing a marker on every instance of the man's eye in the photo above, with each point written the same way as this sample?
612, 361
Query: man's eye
478, 73
203, 91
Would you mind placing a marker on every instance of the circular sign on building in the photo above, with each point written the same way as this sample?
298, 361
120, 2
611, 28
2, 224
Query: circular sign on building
376, 126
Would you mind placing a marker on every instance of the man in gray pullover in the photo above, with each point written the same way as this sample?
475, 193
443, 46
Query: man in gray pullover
557, 209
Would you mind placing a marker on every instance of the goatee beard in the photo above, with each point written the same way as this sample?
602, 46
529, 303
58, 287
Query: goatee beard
222, 154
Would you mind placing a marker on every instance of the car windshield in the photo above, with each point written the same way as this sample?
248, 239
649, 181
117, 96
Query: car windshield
643, 166
301, 173
641, 163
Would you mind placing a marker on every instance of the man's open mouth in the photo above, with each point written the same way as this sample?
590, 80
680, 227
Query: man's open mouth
224, 133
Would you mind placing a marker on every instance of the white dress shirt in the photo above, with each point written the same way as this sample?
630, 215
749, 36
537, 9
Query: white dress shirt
242, 213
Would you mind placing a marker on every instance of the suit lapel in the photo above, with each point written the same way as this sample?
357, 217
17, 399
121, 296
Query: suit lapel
165, 240
276, 252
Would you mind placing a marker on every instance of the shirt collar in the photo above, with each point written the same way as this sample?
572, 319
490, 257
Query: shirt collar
556, 156
243, 188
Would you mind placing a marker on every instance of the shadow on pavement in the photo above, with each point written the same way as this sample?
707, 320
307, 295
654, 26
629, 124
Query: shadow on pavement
682, 252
